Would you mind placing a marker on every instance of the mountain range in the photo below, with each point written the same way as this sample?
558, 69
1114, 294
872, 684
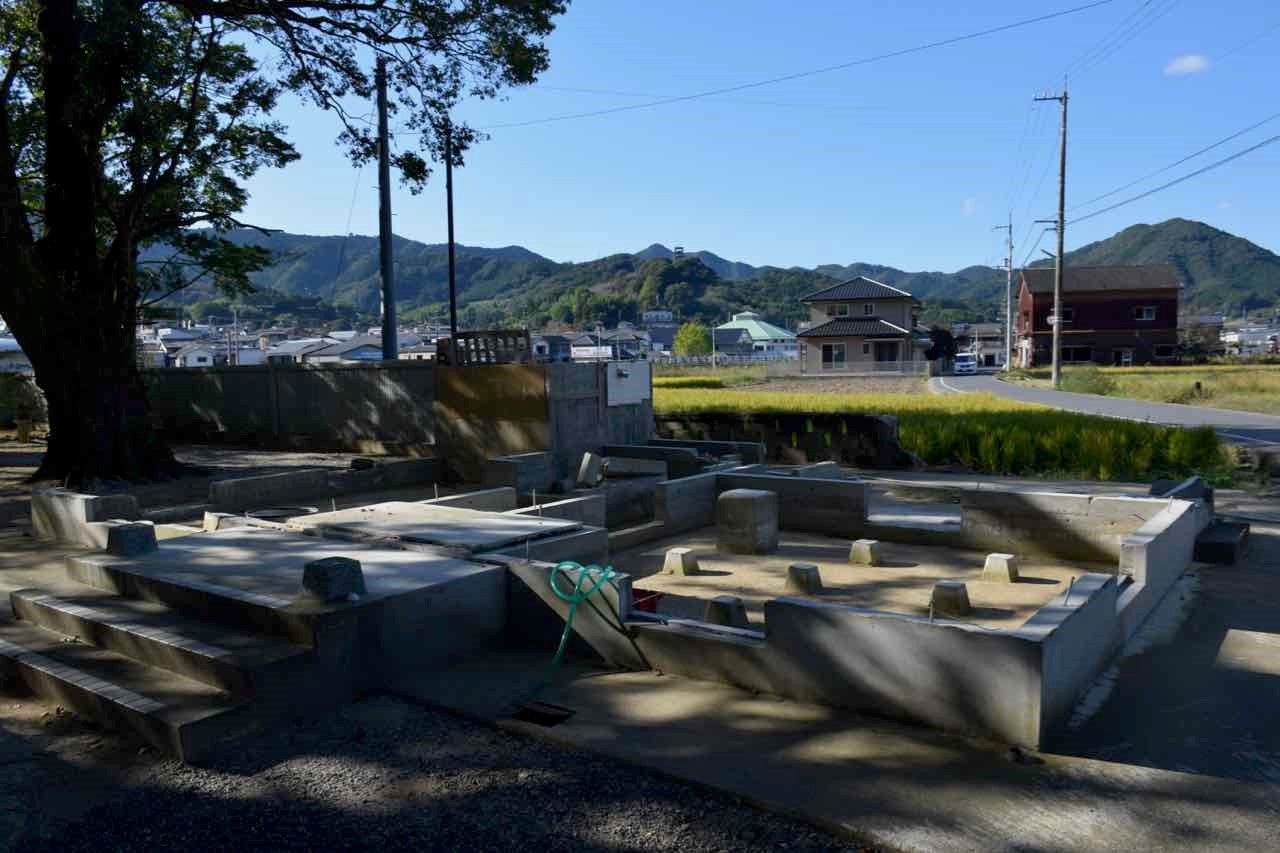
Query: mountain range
511, 284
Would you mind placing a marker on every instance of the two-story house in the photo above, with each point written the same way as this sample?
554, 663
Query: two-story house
1110, 315
859, 324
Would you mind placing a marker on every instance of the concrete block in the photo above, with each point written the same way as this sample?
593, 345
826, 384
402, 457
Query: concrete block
803, 579
1000, 568
588, 508
809, 504
950, 598
333, 578
590, 470
727, 610
865, 552
1223, 542
221, 521
747, 521
680, 561
1190, 489
621, 466
175, 531
62, 516
125, 539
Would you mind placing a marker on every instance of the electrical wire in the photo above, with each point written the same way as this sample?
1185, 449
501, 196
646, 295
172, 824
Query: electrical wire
1178, 180
810, 72
1177, 163
752, 102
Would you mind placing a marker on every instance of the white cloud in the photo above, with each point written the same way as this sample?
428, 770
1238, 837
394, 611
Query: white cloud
969, 207
1190, 63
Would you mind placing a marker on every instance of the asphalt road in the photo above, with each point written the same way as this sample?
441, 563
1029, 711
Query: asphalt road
1245, 428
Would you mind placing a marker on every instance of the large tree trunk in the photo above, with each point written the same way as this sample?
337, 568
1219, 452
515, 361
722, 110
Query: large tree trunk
99, 427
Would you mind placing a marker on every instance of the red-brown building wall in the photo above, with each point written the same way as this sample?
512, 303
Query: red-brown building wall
1103, 327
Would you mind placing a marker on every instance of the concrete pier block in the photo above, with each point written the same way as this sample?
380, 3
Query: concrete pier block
125, 539
727, 610
865, 552
950, 598
680, 561
803, 579
1000, 568
747, 521
333, 578
590, 470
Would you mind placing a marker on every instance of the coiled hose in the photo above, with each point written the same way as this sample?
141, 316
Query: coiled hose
580, 593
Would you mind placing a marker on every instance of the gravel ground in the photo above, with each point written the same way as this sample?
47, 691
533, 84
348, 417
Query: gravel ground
378, 774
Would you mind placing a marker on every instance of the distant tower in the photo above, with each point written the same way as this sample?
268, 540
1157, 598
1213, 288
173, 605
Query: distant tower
677, 252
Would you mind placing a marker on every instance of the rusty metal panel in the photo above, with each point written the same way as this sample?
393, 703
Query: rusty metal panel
490, 410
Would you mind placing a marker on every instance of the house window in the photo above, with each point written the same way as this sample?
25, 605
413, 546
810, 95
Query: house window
832, 356
866, 349
1068, 315
868, 309
1144, 312
1164, 351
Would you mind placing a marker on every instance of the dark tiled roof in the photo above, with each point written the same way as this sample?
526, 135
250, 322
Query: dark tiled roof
344, 347
856, 288
1082, 279
845, 328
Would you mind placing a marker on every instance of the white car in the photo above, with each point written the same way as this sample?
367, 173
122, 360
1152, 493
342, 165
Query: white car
966, 362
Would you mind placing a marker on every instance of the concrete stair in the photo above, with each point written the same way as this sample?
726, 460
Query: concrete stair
174, 714
131, 653
223, 657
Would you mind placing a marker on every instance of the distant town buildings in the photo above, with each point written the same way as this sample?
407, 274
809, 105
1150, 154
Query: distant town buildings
748, 333
861, 325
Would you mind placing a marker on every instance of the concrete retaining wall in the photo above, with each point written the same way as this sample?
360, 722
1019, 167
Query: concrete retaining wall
265, 490
687, 503
851, 439
588, 509
752, 452
1155, 556
681, 461
67, 518
524, 472
500, 499
1073, 526
829, 507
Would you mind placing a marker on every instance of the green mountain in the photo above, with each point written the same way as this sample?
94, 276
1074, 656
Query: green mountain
335, 279
1222, 272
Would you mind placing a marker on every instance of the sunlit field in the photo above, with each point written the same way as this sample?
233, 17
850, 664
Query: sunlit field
1242, 387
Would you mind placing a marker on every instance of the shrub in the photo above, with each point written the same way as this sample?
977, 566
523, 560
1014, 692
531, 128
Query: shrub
1087, 380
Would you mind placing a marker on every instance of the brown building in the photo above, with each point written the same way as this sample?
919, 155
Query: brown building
1110, 315
860, 325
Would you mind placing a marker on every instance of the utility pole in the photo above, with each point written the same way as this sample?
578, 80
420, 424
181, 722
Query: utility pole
1008, 296
1062, 211
448, 195
386, 259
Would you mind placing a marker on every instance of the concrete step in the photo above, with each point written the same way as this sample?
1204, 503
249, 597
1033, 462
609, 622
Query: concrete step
177, 715
239, 662
251, 612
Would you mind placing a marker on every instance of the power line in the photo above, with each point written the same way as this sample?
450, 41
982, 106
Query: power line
1177, 163
1145, 17
1248, 42
623, 94
1101, 44
1177, 181
811, 72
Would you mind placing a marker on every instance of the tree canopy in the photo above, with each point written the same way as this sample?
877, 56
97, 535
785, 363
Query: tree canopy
692, 338
127, 123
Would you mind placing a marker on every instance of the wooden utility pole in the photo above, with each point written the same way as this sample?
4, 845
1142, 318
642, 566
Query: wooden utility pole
386, 258
448, 195
1008, 295
1058, 262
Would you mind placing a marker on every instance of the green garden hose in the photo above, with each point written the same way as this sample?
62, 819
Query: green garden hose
579, 594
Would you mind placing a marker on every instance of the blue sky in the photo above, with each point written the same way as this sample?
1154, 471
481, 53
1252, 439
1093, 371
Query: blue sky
907, 162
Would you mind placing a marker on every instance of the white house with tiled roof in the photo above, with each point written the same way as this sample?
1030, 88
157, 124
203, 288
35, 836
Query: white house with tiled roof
860, 325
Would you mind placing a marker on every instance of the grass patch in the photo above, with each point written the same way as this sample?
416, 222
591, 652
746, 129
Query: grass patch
729, 375
1241, 387
992, 435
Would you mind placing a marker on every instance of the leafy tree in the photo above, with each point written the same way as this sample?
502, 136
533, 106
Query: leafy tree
944, 344
693, 339
127, 123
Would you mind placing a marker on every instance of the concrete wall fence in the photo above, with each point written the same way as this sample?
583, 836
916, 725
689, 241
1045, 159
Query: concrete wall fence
325, 406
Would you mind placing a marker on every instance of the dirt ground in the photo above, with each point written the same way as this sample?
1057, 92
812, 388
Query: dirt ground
842, 385
902, 585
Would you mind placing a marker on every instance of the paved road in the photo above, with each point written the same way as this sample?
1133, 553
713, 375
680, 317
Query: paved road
1241, 427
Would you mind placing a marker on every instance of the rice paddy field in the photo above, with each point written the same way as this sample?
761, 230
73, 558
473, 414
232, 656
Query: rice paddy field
1242, 387
988, 434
